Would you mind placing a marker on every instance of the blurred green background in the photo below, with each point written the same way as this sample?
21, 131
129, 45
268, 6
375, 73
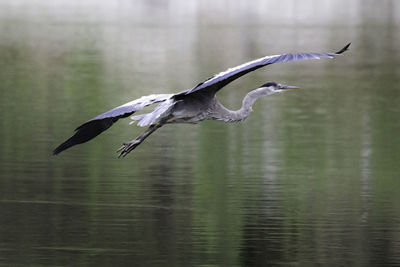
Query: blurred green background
311, 178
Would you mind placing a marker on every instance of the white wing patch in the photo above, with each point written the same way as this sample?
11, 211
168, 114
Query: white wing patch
133, 106
157, 114
240, 67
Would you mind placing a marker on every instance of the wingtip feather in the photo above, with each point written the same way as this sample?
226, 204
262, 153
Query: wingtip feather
62, 147
343, 49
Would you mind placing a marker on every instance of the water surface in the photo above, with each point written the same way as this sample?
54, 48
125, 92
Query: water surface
309, 179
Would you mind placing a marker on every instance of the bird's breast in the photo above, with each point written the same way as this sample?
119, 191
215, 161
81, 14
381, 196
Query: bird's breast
189, 112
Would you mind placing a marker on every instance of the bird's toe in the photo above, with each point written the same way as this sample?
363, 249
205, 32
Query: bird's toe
127, 147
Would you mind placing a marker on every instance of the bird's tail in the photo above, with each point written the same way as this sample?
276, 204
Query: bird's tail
137, 118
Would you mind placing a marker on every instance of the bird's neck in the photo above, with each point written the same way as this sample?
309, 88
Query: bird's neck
242, 113
248, 102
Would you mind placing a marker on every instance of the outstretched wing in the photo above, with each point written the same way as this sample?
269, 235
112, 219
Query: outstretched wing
102, 122
218, 81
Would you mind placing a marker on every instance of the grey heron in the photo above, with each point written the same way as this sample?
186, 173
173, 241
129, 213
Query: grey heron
190, 106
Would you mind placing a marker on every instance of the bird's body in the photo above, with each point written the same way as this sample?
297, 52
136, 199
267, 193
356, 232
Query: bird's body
189, 106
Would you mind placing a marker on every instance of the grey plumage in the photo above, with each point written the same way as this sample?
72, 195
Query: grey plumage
189, 106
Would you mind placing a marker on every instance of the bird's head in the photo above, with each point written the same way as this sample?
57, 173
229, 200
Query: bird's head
273, 87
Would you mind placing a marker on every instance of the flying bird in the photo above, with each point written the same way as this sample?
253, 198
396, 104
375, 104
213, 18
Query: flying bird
190, 106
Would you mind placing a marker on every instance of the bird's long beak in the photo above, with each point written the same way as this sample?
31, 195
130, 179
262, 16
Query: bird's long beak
286, 87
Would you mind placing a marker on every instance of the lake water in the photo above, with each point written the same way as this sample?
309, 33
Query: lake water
311, 178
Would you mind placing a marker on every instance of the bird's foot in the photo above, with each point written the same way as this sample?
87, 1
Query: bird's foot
127, 147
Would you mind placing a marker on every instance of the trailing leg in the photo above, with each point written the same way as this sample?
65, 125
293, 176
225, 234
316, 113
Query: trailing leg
131, 145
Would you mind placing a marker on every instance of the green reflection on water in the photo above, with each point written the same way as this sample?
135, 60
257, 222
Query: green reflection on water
310, 178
